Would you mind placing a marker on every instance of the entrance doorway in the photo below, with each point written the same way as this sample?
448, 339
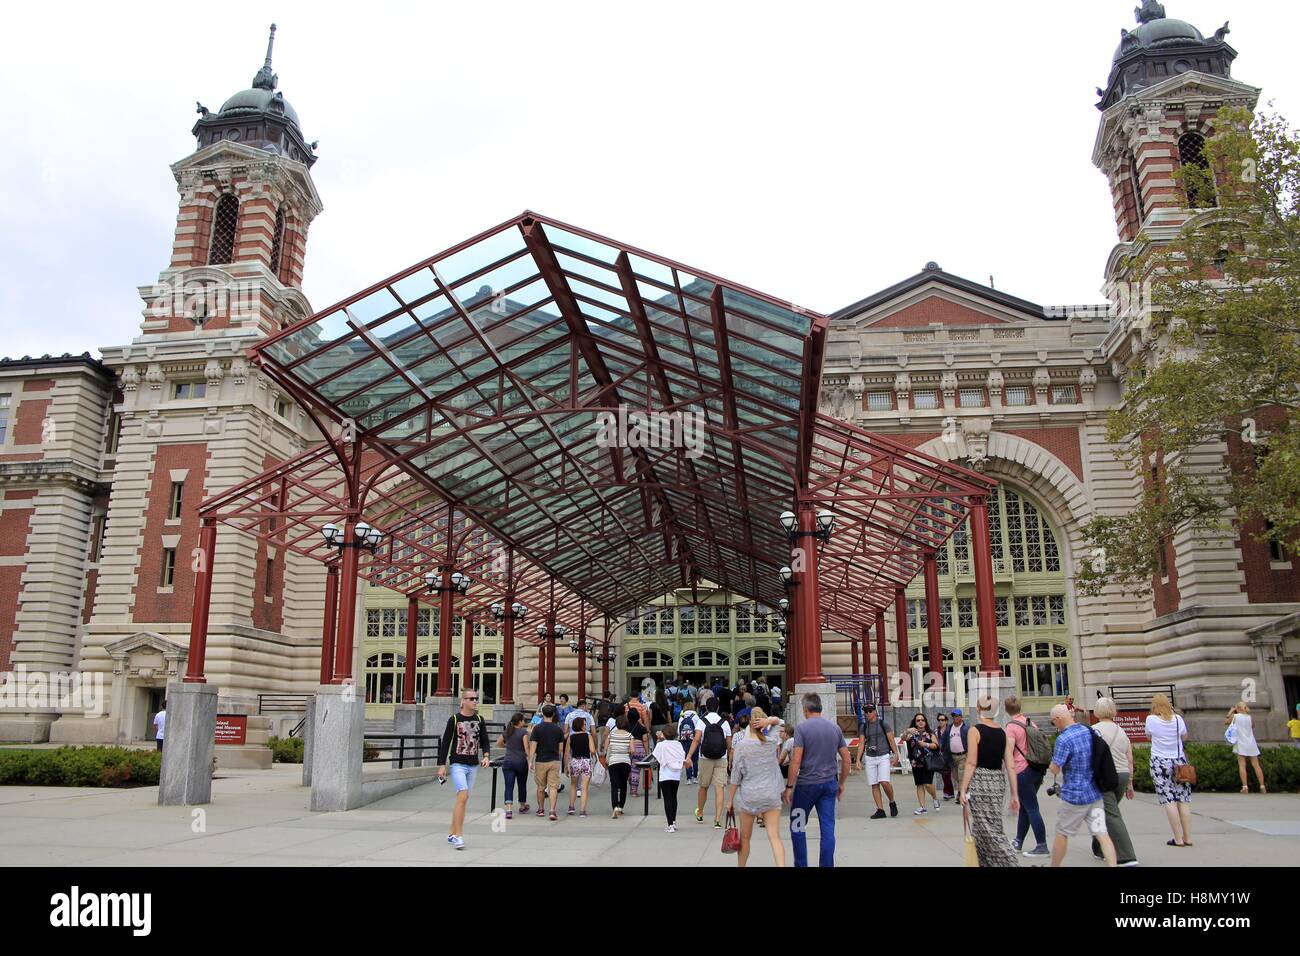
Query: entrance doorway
153, 702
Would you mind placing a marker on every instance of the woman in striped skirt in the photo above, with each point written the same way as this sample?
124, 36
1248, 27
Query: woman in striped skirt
984, 787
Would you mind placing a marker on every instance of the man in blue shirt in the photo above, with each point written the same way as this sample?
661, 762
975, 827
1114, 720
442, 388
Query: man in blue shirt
818, 769
1080, 799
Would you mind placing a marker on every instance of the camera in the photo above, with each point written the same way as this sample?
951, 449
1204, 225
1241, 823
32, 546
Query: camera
1054, 789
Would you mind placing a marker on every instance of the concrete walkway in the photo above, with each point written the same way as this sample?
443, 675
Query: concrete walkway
260, 818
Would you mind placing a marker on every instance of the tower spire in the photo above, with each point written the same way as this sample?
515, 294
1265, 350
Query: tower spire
265, 79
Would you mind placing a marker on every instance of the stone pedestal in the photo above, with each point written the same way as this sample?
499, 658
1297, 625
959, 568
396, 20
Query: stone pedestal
436, 712
338, 728
794, 710
186, 778
409, 719
308, 738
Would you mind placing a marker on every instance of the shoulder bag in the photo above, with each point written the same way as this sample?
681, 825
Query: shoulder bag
731, 836
1183, 772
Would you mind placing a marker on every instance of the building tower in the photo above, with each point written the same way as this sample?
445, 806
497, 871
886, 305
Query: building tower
190, 418
1168, 84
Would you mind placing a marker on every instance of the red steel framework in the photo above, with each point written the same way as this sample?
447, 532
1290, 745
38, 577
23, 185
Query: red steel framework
582, 426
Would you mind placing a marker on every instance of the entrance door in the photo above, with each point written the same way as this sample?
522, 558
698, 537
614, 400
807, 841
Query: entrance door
155, 697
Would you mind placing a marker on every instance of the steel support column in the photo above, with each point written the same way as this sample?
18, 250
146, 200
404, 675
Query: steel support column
550, 655
931, 568
508, 654
882, 665
853, 651
541, 671
582, 665
986, 616
347, 605
900, 632
330, 623
446, 610
809, 618
412, 619
195, 662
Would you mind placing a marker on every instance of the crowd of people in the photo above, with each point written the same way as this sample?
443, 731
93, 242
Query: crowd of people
729, 743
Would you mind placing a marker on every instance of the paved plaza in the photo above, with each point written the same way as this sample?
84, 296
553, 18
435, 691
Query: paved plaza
260, 818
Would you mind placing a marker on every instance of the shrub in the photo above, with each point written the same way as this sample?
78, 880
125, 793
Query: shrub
1216, 768
80, 767
286, 749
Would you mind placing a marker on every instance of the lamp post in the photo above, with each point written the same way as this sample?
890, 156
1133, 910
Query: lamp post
549, 632
806, 645
606, 657
447, 583
353, 537
507, 617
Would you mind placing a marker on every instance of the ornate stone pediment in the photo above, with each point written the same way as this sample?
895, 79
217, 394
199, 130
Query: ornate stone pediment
148, 655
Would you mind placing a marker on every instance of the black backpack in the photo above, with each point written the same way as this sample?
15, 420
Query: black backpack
1104, 774
713, 744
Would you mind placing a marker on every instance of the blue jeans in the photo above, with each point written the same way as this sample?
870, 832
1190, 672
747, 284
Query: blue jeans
803, 800
512, 773
462, 776
1027, 783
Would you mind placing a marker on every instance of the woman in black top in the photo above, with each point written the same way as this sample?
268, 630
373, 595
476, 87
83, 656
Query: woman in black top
921, 742
514, 766
640, 747
660, 714
984, 787
581, 748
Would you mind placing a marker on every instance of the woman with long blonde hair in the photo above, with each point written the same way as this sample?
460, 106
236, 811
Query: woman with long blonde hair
1242, 736
756, 778
1167, 731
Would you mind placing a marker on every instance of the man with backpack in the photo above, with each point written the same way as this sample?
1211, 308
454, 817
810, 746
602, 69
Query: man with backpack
1031, 755
687, 723
712, 741
1088, 768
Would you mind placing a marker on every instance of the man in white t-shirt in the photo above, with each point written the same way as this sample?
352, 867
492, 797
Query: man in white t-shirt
712, 744
159, 722
579, 711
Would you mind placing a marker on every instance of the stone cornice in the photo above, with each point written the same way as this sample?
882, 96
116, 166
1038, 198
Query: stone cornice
53, 471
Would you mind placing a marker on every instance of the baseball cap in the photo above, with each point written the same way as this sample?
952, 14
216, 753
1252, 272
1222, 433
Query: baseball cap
956, 711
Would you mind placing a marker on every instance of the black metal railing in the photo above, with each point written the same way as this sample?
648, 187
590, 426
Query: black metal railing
404, 749
282, 703
298, 728
1137, 695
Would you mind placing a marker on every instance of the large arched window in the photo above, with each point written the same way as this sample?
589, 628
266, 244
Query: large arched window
487, 676
1198, 179
384, 678
1029, 605
426, 677
225, 224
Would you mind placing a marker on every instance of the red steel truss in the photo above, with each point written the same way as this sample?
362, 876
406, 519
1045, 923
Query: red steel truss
582, 426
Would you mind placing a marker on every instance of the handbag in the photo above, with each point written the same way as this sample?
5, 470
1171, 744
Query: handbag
970, 856
1184, 772
731, 836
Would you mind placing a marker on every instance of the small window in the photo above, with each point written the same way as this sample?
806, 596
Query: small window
190, 390
880, 401
177, 499
925, 398
5, 399
1065, 395
225, 223
1277, 552
971, 397
277, 242
282, 408
269, 587
168, 575
1017, 395
113, 434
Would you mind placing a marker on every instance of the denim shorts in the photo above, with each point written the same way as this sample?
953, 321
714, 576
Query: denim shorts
462, 775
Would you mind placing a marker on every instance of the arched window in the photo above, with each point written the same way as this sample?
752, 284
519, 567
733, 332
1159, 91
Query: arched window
277, 242
1198, 179
705, 658
426, 676
384, 678
487, 676
970, 661
225, 223
1044, 669
650, 658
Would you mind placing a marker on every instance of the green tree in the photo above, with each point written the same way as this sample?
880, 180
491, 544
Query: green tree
1222, 300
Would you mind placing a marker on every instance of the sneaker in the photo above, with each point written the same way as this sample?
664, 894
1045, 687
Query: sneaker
458, 843
541, 811
937, 806
717, 824
525, 808
919, 811
948, 796
671, 828
878, 815
893, 809
1128, 863
1040, 850
569, 814
699, 816
582, 815
510, 814
1015, 845
451, 838
554, 817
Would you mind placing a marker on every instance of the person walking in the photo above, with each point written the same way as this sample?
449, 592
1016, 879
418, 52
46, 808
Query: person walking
984, 786
1167, 731
1241, 733
1121, 751
687, 722
514, 767
465, 747
159, 726
1029, 777
1080, 799
756, 780
878, 754
618, 761
812, 783
546, 753
949, 791
671, 758
952, 742
579, 747
712, 743
661, 712
921, 743
640, 747
1293, 727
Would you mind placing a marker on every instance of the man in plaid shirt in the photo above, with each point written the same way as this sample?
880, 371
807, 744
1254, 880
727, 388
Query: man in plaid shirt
1080, 798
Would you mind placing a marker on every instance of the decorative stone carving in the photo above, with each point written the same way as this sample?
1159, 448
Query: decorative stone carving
239, 370
994, 383
976, 433
130, 378
902, 388
155, 377
948, 382
1087, 381
213, 372
1042, 382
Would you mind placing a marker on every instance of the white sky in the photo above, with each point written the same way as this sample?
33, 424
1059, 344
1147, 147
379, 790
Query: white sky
816, 151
